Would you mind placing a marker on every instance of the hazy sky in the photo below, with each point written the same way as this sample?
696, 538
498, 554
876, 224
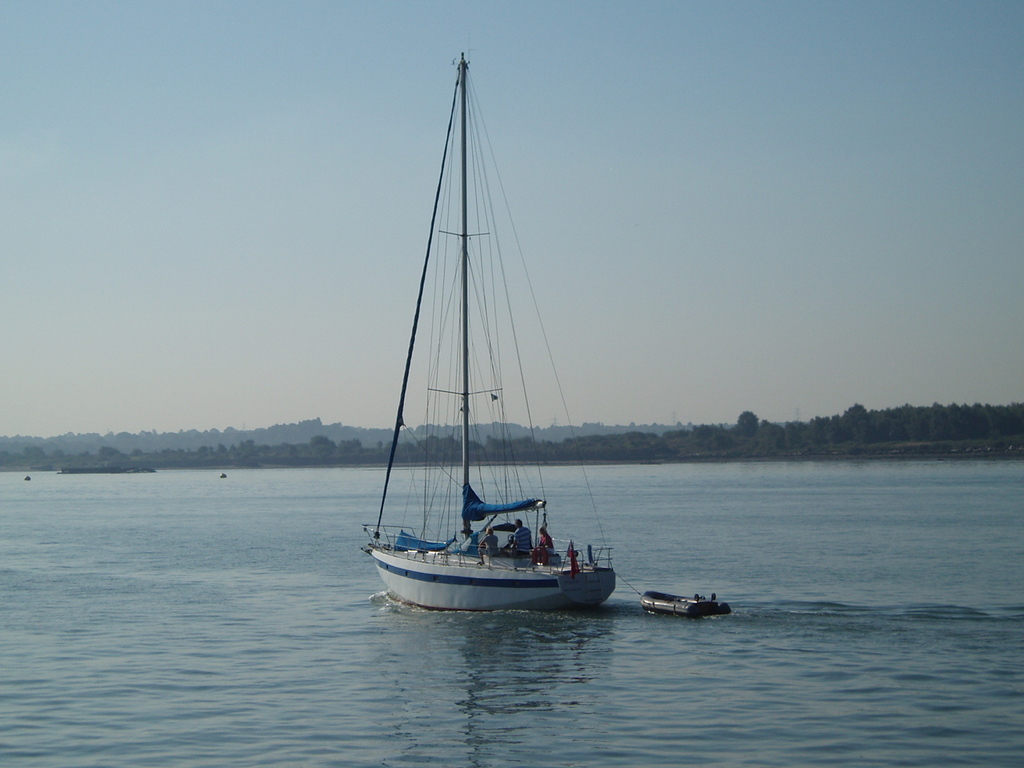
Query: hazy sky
212, 214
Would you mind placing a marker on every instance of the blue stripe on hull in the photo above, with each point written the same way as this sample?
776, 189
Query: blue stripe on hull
474, 581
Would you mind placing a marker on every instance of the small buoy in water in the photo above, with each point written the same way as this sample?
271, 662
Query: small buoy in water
27, 477
222, 475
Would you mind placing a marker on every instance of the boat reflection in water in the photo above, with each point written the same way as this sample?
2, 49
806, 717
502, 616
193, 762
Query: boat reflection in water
504, 683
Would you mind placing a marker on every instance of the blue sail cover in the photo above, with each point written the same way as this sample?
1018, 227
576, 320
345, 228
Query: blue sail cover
469, 546
406, 541
475, 509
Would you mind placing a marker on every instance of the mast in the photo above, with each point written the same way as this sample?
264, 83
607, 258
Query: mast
463, 69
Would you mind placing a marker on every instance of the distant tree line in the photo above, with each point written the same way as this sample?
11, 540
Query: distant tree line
299, 433
946, 430
954, 430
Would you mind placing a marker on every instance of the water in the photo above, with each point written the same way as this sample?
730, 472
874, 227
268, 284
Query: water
178, 619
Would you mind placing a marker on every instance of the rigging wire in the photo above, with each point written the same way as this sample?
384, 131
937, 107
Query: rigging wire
487, 271
544, 334
399, 419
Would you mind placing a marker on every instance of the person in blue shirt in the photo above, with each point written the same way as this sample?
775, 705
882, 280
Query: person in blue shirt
488, 547
524, 541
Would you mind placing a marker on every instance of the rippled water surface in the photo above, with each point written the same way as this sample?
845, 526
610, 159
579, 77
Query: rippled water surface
179, 619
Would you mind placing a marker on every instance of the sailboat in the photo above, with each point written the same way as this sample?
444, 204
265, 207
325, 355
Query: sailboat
445, 555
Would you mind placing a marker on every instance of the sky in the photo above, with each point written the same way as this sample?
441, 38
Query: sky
212, 214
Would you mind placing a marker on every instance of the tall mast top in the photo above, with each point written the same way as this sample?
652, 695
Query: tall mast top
465, 279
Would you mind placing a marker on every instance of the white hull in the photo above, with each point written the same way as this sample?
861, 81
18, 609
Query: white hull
457, 582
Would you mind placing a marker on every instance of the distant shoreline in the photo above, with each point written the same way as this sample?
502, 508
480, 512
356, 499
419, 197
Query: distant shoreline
958, 456
960, 432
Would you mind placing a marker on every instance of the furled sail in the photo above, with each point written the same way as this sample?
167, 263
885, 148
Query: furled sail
473, 508
406, 542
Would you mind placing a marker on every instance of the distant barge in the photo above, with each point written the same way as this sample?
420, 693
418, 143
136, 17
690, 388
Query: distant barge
104, 470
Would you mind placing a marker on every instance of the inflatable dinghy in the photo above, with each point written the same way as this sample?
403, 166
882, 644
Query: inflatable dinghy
695, 607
